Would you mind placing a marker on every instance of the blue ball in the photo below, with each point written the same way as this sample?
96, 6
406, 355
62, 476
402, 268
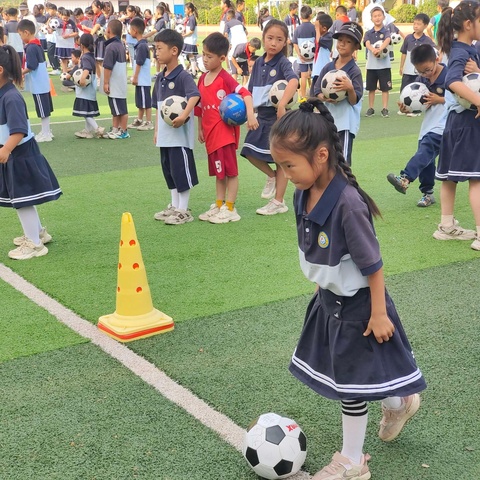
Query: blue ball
233, 110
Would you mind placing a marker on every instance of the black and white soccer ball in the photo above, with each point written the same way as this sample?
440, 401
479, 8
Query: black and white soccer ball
472, 81
64, 76
327, 85
201, 65
173, 107
413, 97
101, 32
54, 23
277, 91
384, 53
274, 446
44, 29
307, 50
180, 28
77, 75
395, 38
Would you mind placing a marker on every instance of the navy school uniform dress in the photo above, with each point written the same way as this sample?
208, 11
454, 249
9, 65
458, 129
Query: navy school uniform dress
26, 179
85, 104
264, 75
100, 40
459, 160
332, 356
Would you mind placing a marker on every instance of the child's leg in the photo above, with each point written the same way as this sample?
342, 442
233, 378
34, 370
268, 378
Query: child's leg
262, 166
141, 112
64, 62
371, 98
30, 223
447, 201
221, 190
148, 114
303, 84
281, 185
385, 100
183, 199
474, 195
232, 191
193, 64
354, 424
116, 121
175, 198
90, 124
45, 126
123, 121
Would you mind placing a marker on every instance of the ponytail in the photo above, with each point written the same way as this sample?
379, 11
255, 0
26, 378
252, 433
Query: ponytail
304, 131
12, 67
192, 8
445, 30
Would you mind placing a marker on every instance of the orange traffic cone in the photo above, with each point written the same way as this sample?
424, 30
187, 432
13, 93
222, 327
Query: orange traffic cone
53, 93
134, 316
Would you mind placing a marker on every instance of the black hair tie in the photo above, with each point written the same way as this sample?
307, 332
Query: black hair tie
306, 107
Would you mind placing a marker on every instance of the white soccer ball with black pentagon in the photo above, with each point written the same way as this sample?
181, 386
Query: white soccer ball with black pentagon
327, 85
277, 91
54, 23
413, 97
472, 81
101, 32
201, 65
173, 107
395, 38
180, 28
64, 76
384, 52
307, 50
77, 75
274, 446
44, 29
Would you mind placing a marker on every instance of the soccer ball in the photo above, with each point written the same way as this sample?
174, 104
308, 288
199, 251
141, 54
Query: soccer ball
44, 29
64, 76
180, 28
396, 38
274, 446
233, 110
201, 65
328, 84
413, 97
54, 23
384, 52
307, 50
101, 32
277, 91
77, 75
472, 81
173, 107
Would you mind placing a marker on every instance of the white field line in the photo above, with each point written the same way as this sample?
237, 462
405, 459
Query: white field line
149, 373
97, 119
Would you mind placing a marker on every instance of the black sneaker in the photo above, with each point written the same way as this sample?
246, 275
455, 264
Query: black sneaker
370, 112
384, 113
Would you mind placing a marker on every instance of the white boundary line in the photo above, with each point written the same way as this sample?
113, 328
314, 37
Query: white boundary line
149, 373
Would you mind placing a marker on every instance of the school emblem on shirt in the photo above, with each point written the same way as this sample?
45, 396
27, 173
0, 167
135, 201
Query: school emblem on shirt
381, 35
273, 72
221, 94
171, 85
440, 90
323, 241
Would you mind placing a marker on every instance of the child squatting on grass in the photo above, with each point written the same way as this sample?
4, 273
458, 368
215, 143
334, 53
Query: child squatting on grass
353, 348
26, 179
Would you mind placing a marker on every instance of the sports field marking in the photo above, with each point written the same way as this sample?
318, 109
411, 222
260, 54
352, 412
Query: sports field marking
149, 373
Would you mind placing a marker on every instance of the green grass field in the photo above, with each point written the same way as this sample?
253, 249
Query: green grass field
236, 293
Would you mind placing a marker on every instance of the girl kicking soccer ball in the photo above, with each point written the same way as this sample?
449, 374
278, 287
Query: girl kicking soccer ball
26, 179
353, 348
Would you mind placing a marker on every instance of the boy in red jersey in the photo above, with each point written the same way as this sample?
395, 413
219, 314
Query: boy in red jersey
221, 140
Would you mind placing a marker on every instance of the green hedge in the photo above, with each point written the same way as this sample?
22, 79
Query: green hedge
429, 7
404, 13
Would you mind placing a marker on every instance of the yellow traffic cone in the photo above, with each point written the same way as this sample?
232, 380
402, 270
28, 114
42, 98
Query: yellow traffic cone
134, 316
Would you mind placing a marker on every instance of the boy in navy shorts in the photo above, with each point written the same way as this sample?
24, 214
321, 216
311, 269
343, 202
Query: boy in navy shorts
115, 80
176, 142
242, 54
378, 69
37, 80
141, 76
304, 33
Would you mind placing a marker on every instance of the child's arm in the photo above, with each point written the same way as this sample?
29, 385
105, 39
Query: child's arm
252, 122
136, 74
237, 66
433, 99
287, 96
379, 324
201, 137
106, 80
155, 131
13, 140
402, 62
181, 119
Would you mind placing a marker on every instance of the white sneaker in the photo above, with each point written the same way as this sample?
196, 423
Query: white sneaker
272, 208
145, 126
164, 214
113, 133
136, 123
113, 130
213, 210
179, 217
453, 232
99, 132
225, 216
40, 138
55, 72
270, 188
84, 134
28, 250
476, 243
45, 237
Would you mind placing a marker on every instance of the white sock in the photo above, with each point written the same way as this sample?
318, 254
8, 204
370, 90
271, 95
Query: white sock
175, 198
90, 124
354, 424
183, 198
392, 403
30, 221
45, 126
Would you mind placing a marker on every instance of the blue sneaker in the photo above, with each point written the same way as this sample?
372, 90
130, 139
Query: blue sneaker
123, 135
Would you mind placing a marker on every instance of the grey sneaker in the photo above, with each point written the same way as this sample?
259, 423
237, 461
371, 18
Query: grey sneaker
370, 112
136, 123
28, 250
145, 126
400, 182
45, 237
179, 217
427, 200
164, 214
453, 232
384, 113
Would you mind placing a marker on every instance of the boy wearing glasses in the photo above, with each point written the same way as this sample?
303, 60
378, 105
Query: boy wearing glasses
422, 164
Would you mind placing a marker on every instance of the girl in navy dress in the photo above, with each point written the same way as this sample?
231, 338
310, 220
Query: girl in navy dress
85, 104
66, 34
190, 36
26, 179
99, 23
459, 160
353, 348
272, 66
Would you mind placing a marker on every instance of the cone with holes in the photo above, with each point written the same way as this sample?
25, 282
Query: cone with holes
134, 316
